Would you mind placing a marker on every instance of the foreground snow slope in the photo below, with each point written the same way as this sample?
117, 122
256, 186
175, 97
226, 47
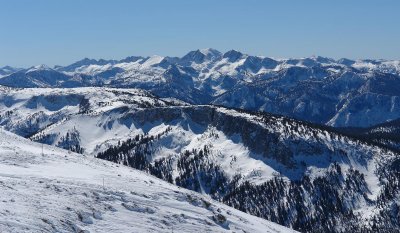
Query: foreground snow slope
59, 191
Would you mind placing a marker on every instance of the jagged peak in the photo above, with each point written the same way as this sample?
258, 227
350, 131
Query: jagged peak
233, 55
200, 55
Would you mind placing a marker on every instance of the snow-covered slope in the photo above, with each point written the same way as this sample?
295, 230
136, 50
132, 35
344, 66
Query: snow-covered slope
49, 190
322, 90
281, 169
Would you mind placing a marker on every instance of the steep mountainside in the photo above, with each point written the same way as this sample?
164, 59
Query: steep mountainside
307, 177
50, 190
339, 93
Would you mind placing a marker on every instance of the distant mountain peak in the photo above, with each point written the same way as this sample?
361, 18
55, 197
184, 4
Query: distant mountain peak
210, 52
200, 55
8, 68
39, 68
345, 61
233, 55
131, 59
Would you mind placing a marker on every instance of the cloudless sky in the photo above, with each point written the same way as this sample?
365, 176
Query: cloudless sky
61, 32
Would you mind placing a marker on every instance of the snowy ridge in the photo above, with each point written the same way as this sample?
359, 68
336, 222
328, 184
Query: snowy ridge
24, 111
71, 186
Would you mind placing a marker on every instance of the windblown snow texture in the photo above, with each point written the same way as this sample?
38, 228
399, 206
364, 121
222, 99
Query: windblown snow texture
60, 191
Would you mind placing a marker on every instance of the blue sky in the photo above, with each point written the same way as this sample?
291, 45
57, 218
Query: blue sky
61, 32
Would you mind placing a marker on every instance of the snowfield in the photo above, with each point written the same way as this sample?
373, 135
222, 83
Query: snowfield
60, 191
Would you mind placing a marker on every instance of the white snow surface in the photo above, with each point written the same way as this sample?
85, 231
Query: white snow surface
60, 191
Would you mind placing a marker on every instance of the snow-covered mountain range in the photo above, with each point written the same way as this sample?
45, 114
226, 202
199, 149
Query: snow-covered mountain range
339, 93
308, 177
312, 144
46, 189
